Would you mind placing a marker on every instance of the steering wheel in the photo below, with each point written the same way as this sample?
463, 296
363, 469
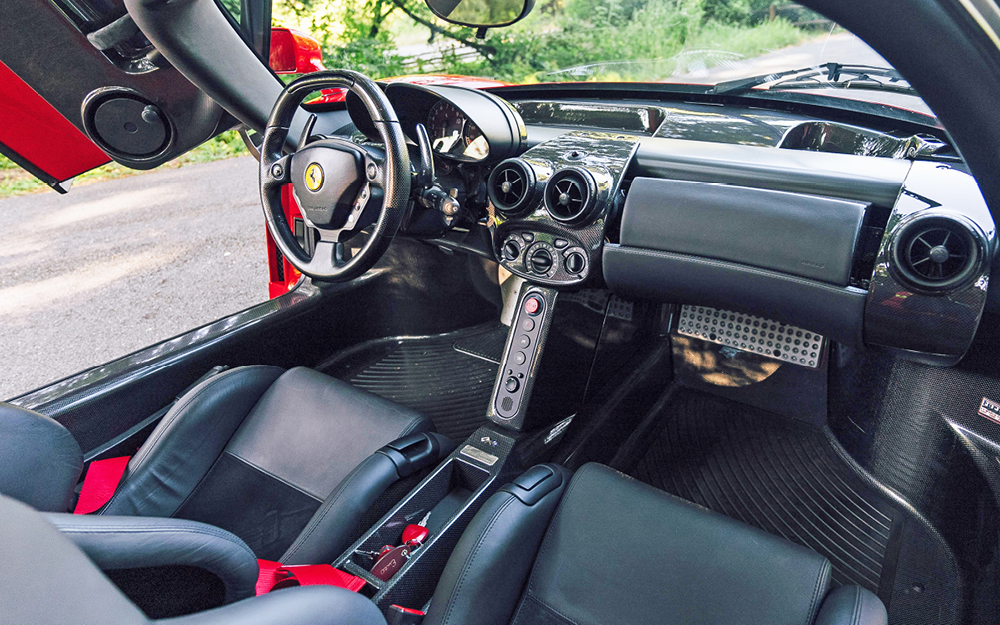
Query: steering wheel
340, 186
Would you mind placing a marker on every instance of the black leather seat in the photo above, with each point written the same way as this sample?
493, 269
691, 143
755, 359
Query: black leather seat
56, 584
613, 550
285, 460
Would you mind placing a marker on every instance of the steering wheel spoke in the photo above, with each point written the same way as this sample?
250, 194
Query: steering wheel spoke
341, 187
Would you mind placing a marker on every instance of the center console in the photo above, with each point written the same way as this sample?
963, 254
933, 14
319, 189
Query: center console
540, 386
554, 204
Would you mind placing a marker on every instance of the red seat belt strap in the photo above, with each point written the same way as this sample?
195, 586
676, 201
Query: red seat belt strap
274, 575
100, 483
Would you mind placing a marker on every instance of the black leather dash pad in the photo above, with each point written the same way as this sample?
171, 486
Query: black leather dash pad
800, 235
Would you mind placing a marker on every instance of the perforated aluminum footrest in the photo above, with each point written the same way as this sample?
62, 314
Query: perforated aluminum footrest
752, 334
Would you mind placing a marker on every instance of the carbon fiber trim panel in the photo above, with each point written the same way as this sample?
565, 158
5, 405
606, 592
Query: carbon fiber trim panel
933, 327
603, 155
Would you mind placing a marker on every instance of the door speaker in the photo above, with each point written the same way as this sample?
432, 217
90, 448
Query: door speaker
126, 125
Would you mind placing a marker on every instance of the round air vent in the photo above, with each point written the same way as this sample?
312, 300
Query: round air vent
936, 253
570, 195
511, 186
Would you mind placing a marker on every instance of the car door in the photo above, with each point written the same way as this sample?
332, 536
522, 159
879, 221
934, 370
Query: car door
83, 86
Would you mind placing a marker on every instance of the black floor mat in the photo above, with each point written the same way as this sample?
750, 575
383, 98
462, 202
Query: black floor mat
448, 377
786, 478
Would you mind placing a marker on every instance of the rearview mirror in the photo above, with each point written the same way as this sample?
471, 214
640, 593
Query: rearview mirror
481, 13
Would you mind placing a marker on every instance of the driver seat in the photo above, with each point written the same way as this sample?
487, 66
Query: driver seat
285, 460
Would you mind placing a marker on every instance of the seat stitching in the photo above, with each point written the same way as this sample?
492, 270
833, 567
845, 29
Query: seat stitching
548, 532
173, 416
341, 489
158, 530
413, 425
472, 556
856, 617
272, 475
823, 572
550, 608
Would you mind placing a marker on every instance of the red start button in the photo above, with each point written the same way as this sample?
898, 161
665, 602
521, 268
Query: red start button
532, 305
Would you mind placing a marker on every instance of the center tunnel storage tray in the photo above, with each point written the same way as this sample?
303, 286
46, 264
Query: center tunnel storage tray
784, 256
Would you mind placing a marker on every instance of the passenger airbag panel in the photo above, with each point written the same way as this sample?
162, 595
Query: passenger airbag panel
800, 235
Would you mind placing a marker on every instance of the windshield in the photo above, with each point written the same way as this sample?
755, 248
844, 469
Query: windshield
664, 41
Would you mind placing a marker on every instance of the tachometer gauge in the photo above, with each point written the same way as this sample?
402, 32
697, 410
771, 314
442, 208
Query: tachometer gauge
476, 146
445, 125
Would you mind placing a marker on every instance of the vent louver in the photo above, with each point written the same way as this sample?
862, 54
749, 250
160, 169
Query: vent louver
569, 195
511, 186
936, 253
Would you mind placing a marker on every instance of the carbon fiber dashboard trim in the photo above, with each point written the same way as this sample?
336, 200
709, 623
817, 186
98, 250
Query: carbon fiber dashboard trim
606, 156
936, 328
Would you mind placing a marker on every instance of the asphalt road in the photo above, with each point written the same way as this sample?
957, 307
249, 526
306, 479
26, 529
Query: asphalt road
114, 266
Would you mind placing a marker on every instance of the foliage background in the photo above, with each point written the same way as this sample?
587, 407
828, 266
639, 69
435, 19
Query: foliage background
608, 40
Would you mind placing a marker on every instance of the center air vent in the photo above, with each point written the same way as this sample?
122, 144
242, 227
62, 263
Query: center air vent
936, 253
570, 195
512, 186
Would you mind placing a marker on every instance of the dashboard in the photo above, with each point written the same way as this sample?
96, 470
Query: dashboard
864, 235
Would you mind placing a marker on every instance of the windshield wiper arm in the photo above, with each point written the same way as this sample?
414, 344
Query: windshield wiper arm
825, 76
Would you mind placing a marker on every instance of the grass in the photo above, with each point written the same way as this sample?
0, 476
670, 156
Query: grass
15, 181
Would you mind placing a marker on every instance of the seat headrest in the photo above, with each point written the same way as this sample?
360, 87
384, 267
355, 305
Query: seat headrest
40, 461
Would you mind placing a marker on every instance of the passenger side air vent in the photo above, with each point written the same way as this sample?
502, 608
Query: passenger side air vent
570, 195
937, 253
511, 186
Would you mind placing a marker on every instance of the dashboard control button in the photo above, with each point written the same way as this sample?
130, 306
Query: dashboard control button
532, 305
560, 243
528, 325
523, 341
511, 249
528, 236
540, 261
575, 262
512, 384
519, 358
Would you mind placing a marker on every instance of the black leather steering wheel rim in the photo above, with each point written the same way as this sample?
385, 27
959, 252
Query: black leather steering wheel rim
393, 176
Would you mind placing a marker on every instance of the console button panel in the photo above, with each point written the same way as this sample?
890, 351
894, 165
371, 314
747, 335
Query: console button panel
524, 347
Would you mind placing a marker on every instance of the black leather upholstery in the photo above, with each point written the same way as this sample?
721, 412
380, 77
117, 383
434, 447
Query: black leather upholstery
331, 529
41, 459
256, 451
852, 605
311, 430
306, 605
188, 441
56, 584
619, 551
259, 452
495, 553
114, 543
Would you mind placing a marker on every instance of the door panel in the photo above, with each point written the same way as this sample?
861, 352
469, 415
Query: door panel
150, 113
